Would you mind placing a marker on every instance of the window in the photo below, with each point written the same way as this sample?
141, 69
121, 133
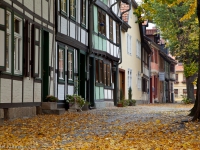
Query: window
73, 9
129, 78
17, 45
70, 65
17, 41
83, 12
144, 85
138, 49
156, 59
101, 22
176, 92
111, 29
100, 71
176, 79
184, 79
139, 80
117, 34
97, 70
129, 44
108, 74
63, 6
36, 51
184, 92
61, 64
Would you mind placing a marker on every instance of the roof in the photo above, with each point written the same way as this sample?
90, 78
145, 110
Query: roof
179, 68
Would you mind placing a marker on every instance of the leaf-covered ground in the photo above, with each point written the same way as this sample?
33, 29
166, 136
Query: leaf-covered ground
143, 127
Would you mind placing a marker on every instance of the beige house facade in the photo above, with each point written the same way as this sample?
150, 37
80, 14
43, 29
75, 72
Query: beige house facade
180, 89
130, 68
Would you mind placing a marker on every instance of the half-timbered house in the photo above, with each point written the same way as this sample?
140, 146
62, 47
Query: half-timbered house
105, 51
26, 55
71, 52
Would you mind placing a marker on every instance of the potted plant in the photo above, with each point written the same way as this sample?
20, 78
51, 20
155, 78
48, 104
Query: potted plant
132, 102
50, 102
86, 106
75, 101
120, 103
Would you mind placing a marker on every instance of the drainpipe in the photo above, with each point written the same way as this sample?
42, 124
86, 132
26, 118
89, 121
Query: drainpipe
90, 44
116, 92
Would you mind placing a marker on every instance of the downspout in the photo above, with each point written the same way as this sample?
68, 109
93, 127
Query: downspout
120, 47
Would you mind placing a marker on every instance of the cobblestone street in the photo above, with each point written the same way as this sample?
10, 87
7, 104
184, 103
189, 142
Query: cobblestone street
110, 128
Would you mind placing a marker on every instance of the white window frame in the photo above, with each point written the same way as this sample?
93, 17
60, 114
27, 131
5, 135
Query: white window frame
129, 78
61, 66
138, 49
129, 44
139, 81
8, 29
17, 49
70, 65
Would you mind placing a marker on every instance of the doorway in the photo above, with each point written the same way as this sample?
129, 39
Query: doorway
45, 65
82, 75
122, 81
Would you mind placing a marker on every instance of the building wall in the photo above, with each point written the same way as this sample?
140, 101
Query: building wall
131, 61
18, 89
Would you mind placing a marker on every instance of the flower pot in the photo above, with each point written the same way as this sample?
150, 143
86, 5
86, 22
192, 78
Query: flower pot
120, 105
49, 105
85, 107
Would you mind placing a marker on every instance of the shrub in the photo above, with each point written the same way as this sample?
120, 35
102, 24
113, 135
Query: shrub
51, 98
186, 100
75, 98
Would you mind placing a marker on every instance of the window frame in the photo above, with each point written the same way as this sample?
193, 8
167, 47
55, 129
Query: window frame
58, 62
83, 11
110, 28
18, 36
101, 19
73, 11
70, 80
34, 43
117, 33
138, 49
61, 10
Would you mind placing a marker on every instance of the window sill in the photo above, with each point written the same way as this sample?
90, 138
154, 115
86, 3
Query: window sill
63, 13
99, 84
71, 82
83, 25
61, 81
102, 35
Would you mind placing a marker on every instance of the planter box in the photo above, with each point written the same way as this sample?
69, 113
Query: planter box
49, 105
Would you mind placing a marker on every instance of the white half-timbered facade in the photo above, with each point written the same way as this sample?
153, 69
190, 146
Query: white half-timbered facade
71, 48
26, 54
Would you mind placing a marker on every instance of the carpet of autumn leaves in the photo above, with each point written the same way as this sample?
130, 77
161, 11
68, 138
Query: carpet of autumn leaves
144, 127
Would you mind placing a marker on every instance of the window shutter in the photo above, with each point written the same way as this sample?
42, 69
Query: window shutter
35, 51
3, 40
130, 45
127, 44
26, 49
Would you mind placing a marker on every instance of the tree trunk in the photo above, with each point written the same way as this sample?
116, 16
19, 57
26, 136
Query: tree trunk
190, 87
197, 104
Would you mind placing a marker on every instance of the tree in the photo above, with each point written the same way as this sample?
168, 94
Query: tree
179, 25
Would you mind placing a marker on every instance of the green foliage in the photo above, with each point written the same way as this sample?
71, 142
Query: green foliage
51, 98
121, 95
132, 102
186, 100
75, 98
190, 69
129, 93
